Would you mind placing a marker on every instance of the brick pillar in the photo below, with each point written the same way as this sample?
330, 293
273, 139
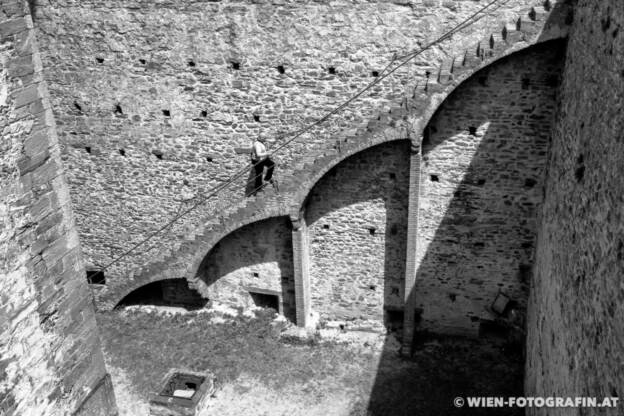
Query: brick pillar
411, 257
302, 274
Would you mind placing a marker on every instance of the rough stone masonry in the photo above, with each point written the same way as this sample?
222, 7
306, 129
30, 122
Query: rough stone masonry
50, 357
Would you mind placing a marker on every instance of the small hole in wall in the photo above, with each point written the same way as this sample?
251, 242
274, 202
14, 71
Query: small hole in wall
235, 65
118, 109
526, 82
191, 63
372, 287
530, 182
479, 244
78, 107
452, 297
142, 61
392, 176
122, 152
256, 274
472, 130
166, 113
372, 231
158, 154
579, 173
88, 149
434, 178
99, 60
209, 159
256, 118
375, 73
394, 229
96, 277
204, 113
331, 70
326, 226
527, 244
481, 182
281, 69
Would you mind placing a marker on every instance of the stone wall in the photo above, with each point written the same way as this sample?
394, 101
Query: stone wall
51, 362
155, 100
357, 220
483, 160
255, 258
575, 340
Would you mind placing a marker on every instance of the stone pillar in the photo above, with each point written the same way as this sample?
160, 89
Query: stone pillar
411, 255
302, 271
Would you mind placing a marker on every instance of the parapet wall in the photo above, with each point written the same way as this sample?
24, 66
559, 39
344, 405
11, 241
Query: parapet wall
51, 361
156, 101
576, 306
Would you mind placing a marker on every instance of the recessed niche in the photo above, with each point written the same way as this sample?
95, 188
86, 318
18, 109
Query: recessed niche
472, 130
142, 61
99, 60
166, 113
255, 274
256, 118
372, 287
118, 109
265, 300
331, 70
326, 226
375, 73
530, 182
392, 176
96, 277
191, 63
122, 152
372, 231
204, 113
481, 182
281, 69
434, 178
209, 159
88, 149
235, 65
158, 154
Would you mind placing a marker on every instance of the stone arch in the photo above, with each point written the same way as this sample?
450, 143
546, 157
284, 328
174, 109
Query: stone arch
183, 263
413, 124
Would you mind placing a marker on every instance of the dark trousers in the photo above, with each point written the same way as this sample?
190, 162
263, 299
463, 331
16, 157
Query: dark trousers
259, 169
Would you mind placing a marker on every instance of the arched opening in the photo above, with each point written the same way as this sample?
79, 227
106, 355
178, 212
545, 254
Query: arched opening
168, 292
252, 266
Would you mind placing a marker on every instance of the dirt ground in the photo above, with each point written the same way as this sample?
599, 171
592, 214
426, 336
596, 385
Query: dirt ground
258, 372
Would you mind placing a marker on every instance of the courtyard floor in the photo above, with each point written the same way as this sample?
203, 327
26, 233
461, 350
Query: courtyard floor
258, 372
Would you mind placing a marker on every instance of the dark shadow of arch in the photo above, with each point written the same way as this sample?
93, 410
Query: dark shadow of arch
478, 244
166, 292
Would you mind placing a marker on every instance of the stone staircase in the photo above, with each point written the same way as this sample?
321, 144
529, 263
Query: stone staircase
405, 119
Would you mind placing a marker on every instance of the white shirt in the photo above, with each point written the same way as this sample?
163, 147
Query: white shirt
258, 151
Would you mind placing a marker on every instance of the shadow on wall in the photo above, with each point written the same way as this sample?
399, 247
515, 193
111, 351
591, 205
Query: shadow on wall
484, 157
357, 221
252, 265
168, 292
